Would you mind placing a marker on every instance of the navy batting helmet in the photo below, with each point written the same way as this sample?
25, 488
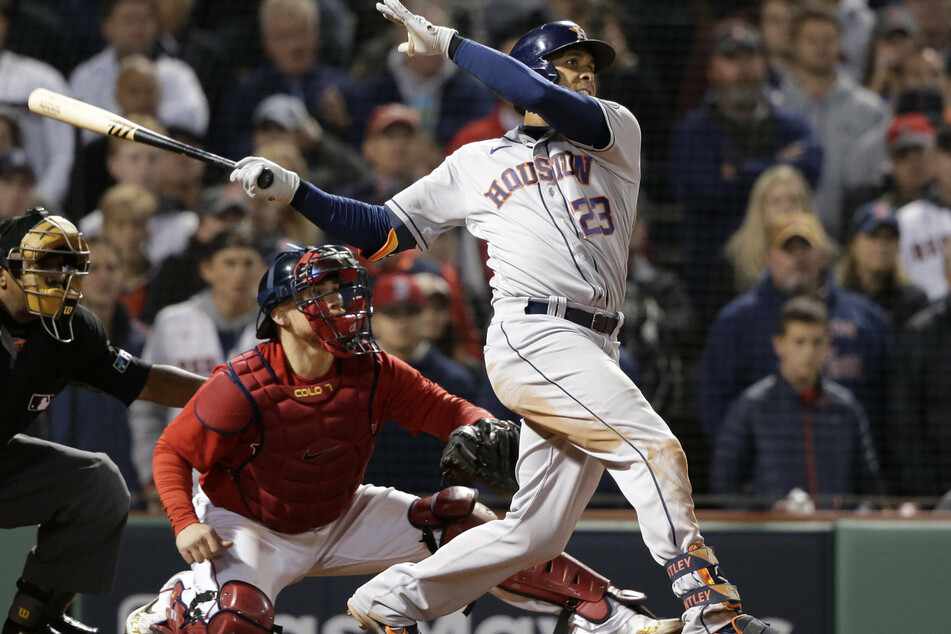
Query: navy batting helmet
340, 317
537, 45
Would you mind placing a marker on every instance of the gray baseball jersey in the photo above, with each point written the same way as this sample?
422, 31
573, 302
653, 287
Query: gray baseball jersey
518, 194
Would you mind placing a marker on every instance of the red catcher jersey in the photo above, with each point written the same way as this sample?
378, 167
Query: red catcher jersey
287, 451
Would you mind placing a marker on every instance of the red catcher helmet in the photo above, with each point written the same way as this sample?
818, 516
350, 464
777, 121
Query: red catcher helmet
48, 257
537, 45
344, 331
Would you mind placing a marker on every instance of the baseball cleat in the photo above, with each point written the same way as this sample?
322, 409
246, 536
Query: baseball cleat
640, 624
367, 623
142, 620
66, 625
746, 624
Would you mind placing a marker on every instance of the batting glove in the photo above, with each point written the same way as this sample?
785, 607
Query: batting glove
247, 170
423, 38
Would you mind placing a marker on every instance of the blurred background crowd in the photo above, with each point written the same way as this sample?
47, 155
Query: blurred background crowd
787, 304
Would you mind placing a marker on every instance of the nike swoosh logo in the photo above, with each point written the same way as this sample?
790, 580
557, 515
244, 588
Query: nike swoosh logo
313, 456
501, 147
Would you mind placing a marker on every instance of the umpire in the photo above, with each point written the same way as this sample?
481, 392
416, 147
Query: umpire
78, 499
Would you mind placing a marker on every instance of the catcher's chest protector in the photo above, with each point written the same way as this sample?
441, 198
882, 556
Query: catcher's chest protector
306, 455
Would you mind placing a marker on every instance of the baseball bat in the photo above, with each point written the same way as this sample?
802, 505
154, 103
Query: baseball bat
89, 117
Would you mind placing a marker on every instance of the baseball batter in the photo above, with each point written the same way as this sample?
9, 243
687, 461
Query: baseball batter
555, 201
282, 434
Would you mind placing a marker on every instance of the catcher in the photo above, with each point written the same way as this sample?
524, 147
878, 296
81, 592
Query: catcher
281, 436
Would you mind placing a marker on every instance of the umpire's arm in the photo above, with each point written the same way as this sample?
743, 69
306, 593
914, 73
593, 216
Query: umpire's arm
170, 386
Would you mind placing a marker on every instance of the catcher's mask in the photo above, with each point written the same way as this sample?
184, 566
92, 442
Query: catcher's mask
48, 257
330, 287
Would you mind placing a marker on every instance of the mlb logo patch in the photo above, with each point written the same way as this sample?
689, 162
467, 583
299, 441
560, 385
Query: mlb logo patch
39, 402
122, 362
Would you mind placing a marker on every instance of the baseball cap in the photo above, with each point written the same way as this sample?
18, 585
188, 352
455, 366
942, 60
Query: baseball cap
924, 100
733, 35
287, 111
225, 201
386, 115
910, 130
802, 225
397, 290
871, 215
15, 161
432, 284
895, 19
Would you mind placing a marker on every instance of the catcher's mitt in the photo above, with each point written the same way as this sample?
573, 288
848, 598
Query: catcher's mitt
484, 452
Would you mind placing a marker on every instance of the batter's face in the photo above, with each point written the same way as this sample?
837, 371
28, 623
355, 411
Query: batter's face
575, 70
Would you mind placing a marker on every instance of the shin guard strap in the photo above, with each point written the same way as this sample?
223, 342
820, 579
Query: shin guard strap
711, 595
694, 561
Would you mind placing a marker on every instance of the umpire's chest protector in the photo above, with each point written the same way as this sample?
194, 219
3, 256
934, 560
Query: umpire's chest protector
306, 454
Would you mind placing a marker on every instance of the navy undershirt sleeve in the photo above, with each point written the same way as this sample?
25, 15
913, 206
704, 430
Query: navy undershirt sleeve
363, 225
578, 117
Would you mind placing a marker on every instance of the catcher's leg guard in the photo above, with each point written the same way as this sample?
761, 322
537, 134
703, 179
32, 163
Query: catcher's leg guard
241, 609
564, 581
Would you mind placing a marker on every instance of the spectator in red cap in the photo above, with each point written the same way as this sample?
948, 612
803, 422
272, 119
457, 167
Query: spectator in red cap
908, 167
391, 146
398, 303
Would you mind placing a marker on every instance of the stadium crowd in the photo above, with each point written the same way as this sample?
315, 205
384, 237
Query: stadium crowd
787, 305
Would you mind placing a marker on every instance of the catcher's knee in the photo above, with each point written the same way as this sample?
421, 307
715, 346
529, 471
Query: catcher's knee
453, 510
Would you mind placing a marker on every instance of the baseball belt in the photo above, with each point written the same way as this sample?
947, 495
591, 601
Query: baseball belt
598, 322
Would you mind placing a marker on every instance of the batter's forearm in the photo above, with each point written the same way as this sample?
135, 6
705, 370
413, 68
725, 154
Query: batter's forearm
363, 225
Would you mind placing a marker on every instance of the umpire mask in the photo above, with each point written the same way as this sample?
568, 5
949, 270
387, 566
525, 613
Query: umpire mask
48, 257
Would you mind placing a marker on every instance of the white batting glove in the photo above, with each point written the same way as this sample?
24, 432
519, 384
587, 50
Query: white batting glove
423, 38
247, 170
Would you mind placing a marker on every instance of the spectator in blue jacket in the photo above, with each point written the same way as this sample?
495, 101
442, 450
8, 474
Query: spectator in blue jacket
739, 351
290, 36
720, 149
795, 428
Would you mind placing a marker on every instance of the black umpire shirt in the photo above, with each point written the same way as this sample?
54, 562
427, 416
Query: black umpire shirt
35, 367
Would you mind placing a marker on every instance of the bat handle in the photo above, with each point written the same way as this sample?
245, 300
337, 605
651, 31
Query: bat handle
265, 178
